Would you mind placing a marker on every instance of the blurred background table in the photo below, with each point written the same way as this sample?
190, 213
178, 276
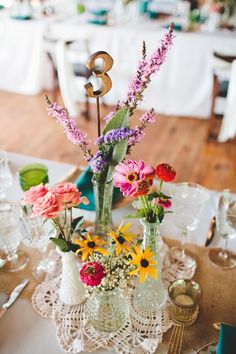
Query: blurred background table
184, 86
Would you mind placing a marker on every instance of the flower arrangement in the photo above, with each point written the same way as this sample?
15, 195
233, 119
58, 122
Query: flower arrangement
56, 204
135, 179
109, 269
118, 137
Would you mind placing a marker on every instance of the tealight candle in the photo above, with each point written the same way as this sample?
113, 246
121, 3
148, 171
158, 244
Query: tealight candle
183, 299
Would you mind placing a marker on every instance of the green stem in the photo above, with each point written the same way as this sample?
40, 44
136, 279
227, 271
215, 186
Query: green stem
160, 186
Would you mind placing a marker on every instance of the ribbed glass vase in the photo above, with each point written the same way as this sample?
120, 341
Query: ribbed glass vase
103, 192
107, 310
151, 295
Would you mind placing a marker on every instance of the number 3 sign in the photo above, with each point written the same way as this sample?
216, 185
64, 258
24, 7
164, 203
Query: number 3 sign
99, 72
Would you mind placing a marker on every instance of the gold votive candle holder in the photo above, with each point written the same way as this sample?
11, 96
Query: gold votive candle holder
185, 296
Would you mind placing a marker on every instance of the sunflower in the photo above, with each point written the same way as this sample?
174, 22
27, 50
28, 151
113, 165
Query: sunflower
145, 263
122, 238
90, 245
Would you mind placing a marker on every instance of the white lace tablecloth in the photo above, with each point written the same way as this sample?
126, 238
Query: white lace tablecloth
141, 334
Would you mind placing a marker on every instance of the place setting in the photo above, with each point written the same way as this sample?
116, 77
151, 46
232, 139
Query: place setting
128, 246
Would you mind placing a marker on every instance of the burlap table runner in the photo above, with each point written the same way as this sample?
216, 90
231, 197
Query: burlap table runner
218, 302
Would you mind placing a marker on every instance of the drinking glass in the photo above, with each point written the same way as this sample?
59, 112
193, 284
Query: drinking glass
6, 178
10, 238
188, 201
32, 175
226, 227
35, 233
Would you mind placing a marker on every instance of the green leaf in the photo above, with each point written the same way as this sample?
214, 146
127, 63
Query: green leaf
140, 214
77, 223
139, 242
120, 119
73, 247
163, 196
161, 213
118, 154
61, 243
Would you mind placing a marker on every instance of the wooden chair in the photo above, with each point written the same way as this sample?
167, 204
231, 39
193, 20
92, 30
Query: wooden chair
220, 89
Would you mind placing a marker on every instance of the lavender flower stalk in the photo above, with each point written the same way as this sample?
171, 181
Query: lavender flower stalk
115, 135
147, 68
73, 134
98, 163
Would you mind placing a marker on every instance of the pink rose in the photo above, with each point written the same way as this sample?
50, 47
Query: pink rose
48, 206
69, 194
34, 193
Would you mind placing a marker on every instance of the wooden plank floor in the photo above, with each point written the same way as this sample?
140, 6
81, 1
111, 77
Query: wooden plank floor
26, 128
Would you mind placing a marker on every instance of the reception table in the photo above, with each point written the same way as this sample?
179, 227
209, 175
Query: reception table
183, 86
22, 331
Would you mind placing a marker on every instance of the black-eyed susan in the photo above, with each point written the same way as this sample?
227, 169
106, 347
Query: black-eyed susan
90, 245
122, 238
146, 265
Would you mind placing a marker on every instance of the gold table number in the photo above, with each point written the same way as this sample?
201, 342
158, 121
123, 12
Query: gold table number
101, 73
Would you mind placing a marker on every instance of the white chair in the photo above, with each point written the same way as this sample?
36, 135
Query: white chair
222, 65
228, 127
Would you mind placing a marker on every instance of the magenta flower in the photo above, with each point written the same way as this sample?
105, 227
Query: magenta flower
133, 178
92, 273
166, 203
148, 117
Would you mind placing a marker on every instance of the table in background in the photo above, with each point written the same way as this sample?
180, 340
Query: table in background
183, 86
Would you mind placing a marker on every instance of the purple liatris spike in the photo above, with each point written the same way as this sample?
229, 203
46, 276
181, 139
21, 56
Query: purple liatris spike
148, 117
98, 162
115, 135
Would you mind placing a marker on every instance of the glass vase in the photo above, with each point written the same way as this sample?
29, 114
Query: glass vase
107, 310
103, 192
72, 291
151, 295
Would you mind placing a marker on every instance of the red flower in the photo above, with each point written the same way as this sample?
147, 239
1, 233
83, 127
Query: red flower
165, 172
92, 273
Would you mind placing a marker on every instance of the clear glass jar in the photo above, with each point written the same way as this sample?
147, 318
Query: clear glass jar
103, 193
107, 310
151, 295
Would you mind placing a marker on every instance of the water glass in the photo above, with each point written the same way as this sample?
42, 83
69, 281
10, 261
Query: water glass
6, 178
35, 233
226, 227
10, 238
188, 201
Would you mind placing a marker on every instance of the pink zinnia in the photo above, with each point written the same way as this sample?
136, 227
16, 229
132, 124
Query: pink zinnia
92, 273
133, 178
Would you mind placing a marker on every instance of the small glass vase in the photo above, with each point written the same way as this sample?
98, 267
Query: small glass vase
103, 193
151, 295
107, 310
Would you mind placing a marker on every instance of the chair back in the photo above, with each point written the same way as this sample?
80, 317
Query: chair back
66, 78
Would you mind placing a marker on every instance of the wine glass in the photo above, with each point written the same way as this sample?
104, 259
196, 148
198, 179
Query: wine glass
188, 201
10, 238
35, 233
226, 227
6, 178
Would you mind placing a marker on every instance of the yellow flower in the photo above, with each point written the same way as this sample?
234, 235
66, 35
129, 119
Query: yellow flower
122, 238
145, 263
90, 245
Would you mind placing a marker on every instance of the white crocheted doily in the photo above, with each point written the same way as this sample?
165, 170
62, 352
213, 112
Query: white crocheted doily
140, 335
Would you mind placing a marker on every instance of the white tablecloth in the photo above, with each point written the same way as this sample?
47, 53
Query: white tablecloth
22, 331
183, 86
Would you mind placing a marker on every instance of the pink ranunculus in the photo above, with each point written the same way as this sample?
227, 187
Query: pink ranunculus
133, 178
33, 194
92, 273
48, 206
68, 193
